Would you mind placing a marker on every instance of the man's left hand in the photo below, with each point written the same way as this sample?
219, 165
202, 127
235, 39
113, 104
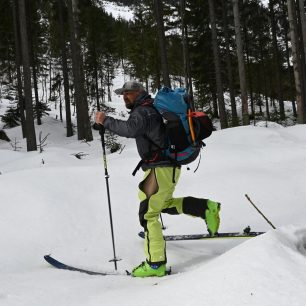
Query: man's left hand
100, 117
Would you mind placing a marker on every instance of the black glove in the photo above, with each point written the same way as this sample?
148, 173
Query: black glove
96, 126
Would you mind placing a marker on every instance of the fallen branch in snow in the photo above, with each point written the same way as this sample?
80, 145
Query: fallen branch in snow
14, 145
42, 143
85, 141
79, 155
121, 149
260, 211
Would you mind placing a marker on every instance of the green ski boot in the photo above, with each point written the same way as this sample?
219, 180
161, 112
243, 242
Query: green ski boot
146, 270
212, 217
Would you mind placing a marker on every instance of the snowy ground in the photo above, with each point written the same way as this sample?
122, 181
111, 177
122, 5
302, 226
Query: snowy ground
55, 203
118, 11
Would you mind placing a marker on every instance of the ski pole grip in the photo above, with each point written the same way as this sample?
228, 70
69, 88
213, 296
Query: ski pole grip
99, 127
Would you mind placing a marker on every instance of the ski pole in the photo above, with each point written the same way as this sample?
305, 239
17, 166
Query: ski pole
260, 211
102, 132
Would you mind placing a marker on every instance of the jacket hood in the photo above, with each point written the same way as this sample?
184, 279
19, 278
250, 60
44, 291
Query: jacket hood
144, 96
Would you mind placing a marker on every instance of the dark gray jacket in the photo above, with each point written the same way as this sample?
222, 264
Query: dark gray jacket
145, 125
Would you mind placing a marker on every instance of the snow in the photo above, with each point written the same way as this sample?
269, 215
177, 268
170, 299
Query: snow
118, 11
60, 207
54, 203
265, 2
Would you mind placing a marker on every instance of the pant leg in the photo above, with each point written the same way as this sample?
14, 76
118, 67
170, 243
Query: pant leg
191, 206
155, 191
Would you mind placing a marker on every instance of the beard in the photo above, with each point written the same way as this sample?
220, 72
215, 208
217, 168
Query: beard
128, 103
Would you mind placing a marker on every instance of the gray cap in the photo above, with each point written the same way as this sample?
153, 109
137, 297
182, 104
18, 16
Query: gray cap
129, 86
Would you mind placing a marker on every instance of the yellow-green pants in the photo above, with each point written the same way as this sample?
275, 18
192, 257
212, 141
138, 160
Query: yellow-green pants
156, 196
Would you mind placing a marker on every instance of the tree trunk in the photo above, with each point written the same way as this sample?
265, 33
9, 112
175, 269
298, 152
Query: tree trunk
263, 71
18, 64
221, 104
235, 121
249, 72
301, 56
109, 93
277, 62
50, 78
37, 107
186, 57
65, 70
33, 59
296, 61
83, 122
291, 81
215, 102
102, 73
157, 70
303, 23
242, 76
158, 9
145, 64
61, 104
30, 129
96, 81
258, 88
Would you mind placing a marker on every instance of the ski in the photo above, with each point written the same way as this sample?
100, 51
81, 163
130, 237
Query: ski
59, 265
245, 234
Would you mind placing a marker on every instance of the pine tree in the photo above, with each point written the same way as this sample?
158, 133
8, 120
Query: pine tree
186, 57
221, 104
30, 129
297, 63
230, 77
65, 67
15, 14
301, 7
242, 76
277, 60
83, 123
158, 10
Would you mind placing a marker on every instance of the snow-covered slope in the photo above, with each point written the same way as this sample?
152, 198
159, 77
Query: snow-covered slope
117, 11
55, 203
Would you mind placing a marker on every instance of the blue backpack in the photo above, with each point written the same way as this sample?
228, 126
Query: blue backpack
185, 129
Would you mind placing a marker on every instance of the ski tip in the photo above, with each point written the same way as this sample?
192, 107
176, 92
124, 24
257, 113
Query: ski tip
47, 257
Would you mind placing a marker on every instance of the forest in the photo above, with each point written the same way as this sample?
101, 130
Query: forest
239, 60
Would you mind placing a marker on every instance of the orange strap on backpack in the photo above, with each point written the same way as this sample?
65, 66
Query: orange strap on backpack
190, 122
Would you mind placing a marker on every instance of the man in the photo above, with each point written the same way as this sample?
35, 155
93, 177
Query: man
156, 190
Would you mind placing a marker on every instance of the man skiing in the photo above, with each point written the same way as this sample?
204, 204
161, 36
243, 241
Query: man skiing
156, 189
